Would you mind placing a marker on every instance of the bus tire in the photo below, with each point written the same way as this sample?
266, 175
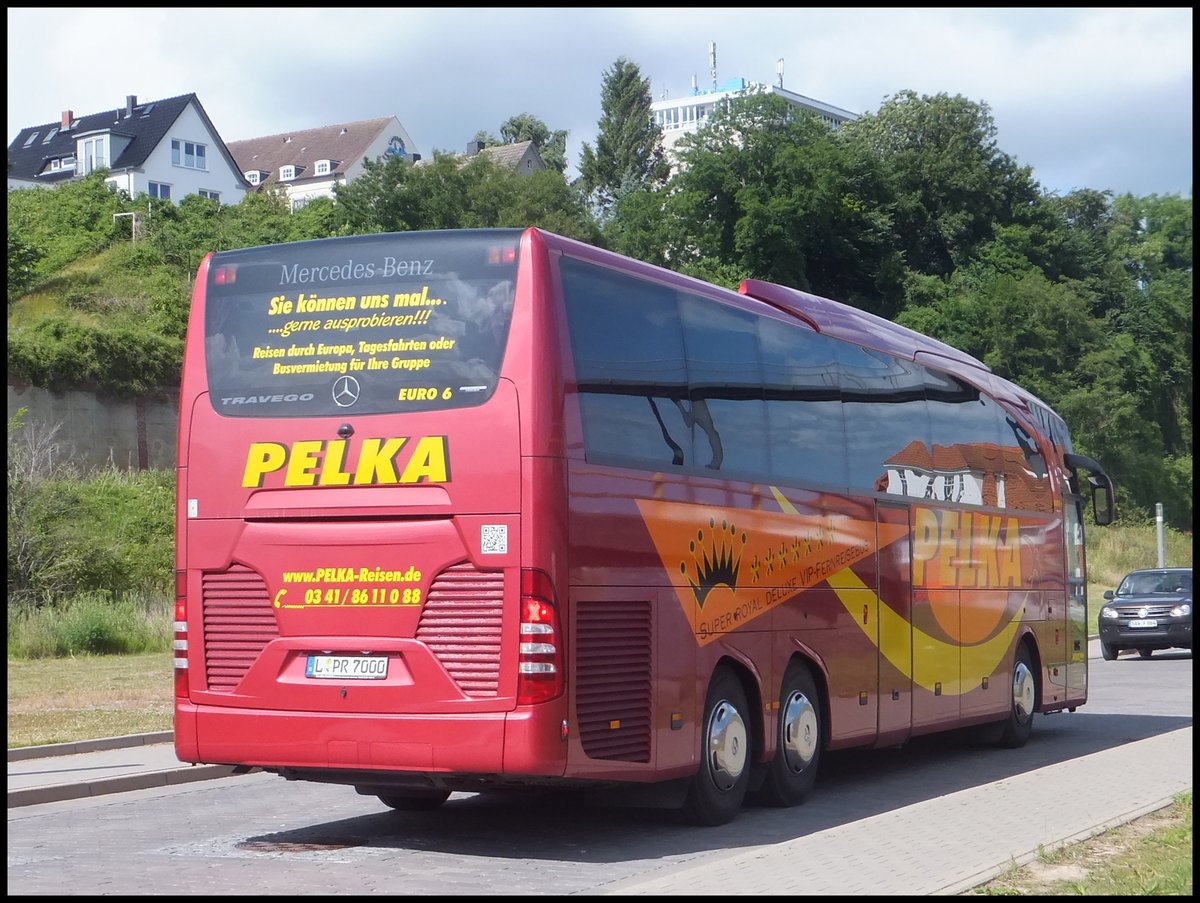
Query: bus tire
792, 772
414, 801
1019, 724
717, 790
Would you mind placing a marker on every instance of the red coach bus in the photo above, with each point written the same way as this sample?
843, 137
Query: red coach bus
492, 509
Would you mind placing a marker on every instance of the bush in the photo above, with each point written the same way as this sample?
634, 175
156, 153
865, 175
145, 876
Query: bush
92, 624
59, 353
71, 533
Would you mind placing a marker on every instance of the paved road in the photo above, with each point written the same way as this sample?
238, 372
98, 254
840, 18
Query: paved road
933, 817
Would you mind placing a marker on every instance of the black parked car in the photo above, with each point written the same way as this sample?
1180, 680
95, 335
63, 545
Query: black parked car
1151, 609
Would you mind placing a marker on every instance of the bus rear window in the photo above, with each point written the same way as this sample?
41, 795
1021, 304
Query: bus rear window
371, 324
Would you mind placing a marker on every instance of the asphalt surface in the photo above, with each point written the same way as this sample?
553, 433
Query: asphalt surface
933, 847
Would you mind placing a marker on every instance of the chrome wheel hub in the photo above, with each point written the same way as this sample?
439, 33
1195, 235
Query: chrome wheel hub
727, 746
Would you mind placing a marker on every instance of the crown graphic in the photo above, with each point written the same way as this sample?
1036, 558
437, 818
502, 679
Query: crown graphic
715, 560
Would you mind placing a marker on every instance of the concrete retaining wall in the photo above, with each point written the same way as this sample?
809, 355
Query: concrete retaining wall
96, 430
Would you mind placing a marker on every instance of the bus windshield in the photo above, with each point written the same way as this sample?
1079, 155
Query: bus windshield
386, 323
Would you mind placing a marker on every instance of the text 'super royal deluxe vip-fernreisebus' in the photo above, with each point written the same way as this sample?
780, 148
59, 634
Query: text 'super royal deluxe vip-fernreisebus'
483, 509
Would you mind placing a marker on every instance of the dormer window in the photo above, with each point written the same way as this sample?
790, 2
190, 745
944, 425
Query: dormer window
95, 153
323, 167
252, 176
287, 173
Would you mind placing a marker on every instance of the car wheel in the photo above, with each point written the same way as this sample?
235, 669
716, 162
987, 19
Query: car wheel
1145, 653
415, 801
718, 788
1019, 725
793, 771
1109, 651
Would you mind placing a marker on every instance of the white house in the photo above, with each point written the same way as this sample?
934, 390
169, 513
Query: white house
310, 163
165, 148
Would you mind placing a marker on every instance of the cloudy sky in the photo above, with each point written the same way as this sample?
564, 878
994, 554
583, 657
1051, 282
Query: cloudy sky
1090, 98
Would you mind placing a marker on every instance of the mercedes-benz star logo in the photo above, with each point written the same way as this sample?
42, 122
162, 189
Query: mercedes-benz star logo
345, 391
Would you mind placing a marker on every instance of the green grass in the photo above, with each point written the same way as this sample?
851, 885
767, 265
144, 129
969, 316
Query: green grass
62, 700
1150, 856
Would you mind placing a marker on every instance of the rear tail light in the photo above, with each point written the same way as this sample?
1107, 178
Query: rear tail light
539, 661
180, 645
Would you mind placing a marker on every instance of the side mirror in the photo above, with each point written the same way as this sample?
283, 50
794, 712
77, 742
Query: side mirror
1101, 485
1108, 595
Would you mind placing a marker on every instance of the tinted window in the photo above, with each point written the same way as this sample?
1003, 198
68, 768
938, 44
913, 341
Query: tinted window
806, 439
964, 442
1023, 466
883, 401
671, 379
367, 324
725, 387
627, 342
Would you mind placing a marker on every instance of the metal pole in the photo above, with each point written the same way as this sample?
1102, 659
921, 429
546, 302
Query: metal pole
1158, 517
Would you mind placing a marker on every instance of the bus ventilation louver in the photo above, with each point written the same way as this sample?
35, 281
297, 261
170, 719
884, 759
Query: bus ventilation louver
460, 624
612, 679
238, 624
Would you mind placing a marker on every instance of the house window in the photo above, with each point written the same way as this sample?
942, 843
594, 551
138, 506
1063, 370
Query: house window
298, 203
50, 135
286, 173
188, 154
211, 195
32, 138
95, 154
322, 168
252, 177
160, 190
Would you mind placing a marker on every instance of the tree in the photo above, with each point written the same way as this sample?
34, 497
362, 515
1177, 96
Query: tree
770, 191
22, 258
451, 192
628, 154
552, 146
951, 184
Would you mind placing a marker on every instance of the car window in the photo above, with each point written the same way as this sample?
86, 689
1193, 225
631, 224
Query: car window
1145, 584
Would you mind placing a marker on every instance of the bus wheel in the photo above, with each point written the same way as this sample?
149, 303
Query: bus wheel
414, 801
793, 770
716, 792
1019, 725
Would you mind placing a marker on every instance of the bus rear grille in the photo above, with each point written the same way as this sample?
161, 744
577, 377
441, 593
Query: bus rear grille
612, 679
460, 624
238, 624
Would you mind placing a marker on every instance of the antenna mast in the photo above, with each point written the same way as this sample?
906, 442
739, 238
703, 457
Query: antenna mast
712, 60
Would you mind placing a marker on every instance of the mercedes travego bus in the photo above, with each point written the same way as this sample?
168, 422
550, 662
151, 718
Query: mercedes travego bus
494, 509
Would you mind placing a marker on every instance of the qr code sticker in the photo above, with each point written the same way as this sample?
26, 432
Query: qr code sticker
494, 540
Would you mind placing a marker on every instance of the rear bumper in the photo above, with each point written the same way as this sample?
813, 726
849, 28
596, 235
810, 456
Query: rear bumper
526, 741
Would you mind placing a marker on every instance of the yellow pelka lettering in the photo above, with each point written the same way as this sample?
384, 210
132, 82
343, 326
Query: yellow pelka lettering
952, 548
377, 462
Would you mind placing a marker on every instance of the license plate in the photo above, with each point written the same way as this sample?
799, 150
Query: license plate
1143, 622
347, 667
